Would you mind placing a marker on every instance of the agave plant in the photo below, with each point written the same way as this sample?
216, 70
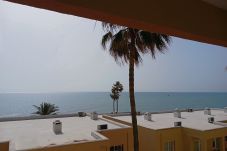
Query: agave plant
46, 109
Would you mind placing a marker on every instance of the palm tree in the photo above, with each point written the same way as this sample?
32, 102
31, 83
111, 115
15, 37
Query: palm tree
114, 96
126, 46
119, 88
46, 109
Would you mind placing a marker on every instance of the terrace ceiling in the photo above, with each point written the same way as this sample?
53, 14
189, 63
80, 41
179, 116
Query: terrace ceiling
200, 20
218, 3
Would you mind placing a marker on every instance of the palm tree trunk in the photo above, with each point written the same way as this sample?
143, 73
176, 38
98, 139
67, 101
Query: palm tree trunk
113, 106
132, 98
117, 106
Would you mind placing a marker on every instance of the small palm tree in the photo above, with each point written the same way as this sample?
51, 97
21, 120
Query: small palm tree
126, 46
46, 109
114, 96
119, 88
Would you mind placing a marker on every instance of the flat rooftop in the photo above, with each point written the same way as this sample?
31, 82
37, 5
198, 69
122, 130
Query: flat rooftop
194, 120
28, 134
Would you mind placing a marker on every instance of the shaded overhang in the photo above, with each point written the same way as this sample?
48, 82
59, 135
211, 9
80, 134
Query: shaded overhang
200, 20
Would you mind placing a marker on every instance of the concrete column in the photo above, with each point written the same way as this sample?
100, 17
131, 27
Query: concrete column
223, 143
204, 145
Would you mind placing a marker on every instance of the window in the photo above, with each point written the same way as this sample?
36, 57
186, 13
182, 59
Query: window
117, 148
216, 144
169, 146
197, 145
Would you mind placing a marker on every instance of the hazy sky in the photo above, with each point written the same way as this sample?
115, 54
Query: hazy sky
44, 51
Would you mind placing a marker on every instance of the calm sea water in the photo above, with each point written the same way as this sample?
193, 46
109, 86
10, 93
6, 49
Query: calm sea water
19, 104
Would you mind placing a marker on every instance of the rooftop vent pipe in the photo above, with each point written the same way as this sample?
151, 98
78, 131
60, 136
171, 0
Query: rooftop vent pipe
148, 116
190, 110
177, 124
211, 119
177, 113
102, 127
81, 114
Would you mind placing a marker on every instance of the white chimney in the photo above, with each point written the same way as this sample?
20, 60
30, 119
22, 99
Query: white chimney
207, 111
94, 116
225, 109
177, 113
57, 127
148, 116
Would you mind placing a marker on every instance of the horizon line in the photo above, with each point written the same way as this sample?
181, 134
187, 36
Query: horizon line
110, 92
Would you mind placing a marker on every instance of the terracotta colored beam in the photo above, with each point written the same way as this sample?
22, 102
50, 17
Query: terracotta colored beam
190, 19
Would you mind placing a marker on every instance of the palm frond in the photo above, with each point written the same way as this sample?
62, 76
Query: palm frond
137, 58
159, 42
106, 38
119, 46
146, 40
123, 39
166, 38
152, 42
118, 87
110, 27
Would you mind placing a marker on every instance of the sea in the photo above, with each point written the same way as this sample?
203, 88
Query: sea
21, 104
